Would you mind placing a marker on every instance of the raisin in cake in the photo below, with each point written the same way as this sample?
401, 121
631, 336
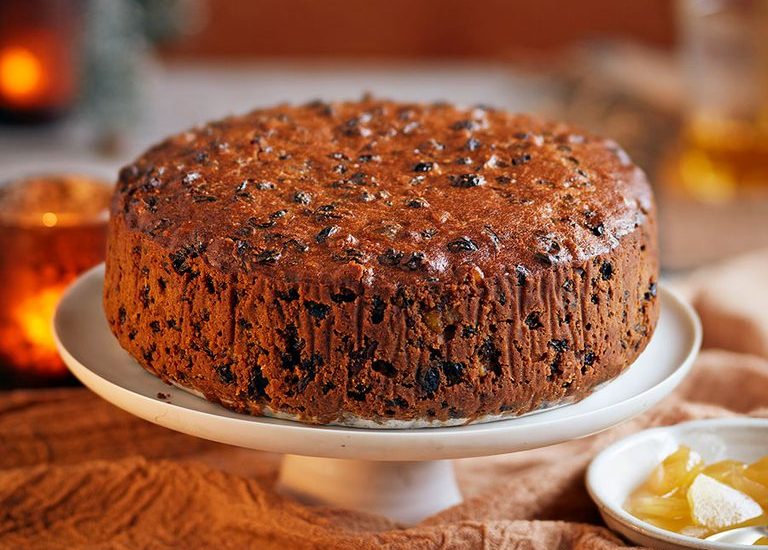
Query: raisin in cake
383, 264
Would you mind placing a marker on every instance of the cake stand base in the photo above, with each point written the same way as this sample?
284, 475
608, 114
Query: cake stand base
406, 492
402, 474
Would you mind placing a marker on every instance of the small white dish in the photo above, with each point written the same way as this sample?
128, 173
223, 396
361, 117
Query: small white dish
621, 467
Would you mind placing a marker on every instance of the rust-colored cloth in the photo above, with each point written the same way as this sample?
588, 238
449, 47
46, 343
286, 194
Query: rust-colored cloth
75, 472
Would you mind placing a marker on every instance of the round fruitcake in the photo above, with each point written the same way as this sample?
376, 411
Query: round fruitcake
375, 263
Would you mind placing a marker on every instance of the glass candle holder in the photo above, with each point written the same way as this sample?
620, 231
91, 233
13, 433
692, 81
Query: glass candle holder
52, 228
38, 58
724, 49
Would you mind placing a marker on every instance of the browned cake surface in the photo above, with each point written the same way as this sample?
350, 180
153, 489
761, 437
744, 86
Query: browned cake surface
383, 260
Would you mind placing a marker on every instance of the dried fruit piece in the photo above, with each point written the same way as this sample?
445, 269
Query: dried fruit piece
377, 310
467, 180
606, 271
344, 295
532, 320
415, 262
597, 230
428, 379
225, 373
544, 258
267, 257
390, 257
316, 309
522, 159
423, 166
434, 321
462, 244
560, 346
417, 203
521, 273
464, 125
302, 197
651, 293
453, 372
472, 144
326, 232
384, 367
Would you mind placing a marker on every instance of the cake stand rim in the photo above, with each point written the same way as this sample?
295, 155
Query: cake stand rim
434, 443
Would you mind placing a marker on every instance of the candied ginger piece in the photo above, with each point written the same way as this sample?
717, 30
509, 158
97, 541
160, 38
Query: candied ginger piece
737, 475
758, 471
718, 506
644, 506
724, 470
676, 472
757, 491
684, 526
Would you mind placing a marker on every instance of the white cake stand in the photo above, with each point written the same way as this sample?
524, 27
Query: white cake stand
403, 474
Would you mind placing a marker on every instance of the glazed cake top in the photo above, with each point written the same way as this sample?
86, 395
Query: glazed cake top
378, 189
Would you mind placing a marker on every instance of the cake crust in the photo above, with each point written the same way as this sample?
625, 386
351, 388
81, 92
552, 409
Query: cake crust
383, 260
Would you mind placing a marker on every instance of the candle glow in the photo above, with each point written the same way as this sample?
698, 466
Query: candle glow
50, 219
21, 73
52, 227
33, 317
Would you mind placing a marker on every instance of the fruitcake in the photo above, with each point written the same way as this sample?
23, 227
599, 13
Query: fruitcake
383, 264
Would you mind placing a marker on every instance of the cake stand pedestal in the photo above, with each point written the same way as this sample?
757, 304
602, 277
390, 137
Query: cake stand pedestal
402, 474
406, 491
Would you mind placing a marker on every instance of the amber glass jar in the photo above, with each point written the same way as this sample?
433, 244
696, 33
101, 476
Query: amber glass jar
52, 228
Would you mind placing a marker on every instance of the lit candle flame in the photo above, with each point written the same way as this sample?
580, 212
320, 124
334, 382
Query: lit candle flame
50, 219
21, 73
32, 340
35, 315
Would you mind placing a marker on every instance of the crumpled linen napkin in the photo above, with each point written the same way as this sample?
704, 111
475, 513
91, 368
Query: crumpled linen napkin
76, 472
732, 301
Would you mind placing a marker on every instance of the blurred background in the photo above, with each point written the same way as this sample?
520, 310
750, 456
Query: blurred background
86, 85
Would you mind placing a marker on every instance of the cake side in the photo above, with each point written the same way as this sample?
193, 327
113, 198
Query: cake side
509, 344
